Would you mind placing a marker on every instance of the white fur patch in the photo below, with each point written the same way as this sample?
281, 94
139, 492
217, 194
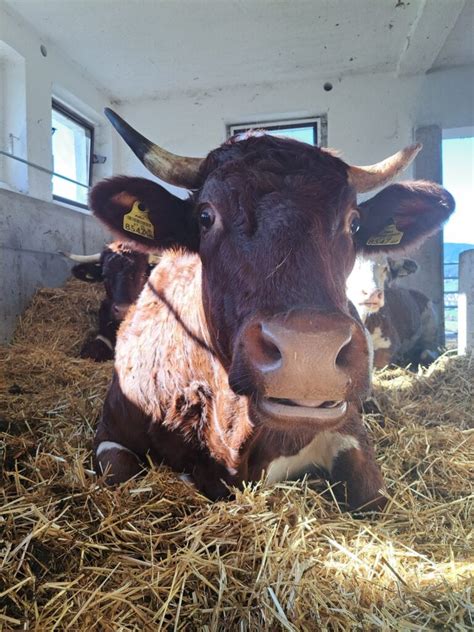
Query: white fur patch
379, 341
321, 451
104, 446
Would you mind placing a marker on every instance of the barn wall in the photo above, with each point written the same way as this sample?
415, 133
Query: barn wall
369, 117
31, 233
32, 227
27, 113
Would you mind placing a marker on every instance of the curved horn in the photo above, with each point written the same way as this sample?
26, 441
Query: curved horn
181, 171
153, 259
81, 258
374, 176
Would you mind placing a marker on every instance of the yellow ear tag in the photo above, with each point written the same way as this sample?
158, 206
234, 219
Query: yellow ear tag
138, 223
389, 236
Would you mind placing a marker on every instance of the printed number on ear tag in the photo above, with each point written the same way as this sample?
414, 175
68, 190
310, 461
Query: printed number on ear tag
138, 223
389, 236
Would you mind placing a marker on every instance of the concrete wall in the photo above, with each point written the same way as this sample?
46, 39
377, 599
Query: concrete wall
32, 227
466, 302
31, 233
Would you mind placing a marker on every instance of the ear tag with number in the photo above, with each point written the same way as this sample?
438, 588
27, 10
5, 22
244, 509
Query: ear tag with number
388, 236
137, 222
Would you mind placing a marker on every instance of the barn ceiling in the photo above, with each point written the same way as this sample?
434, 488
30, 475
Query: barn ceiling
146, 48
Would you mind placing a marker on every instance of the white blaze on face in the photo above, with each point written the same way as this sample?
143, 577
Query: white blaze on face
365, 285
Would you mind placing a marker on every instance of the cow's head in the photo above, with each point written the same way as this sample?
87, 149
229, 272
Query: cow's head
277, 227
124, 272
369, 278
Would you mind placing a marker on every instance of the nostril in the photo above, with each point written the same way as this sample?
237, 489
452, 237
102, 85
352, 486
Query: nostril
344, 357
261, 348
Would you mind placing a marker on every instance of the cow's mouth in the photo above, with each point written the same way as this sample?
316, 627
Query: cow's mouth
371, 304
308, 409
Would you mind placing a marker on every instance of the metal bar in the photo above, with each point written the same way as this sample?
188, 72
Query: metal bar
52, 173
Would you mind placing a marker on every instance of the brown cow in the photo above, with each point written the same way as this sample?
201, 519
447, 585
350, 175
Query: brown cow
242, 355
124, 272
402, 322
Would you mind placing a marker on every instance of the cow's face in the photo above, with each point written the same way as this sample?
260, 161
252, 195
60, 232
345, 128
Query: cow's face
277, 246
277, 228
369, 278
124, 274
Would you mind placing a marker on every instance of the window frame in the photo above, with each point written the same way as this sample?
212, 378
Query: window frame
318, 123
76, 118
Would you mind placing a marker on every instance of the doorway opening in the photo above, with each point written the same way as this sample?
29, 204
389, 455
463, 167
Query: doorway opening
458, 235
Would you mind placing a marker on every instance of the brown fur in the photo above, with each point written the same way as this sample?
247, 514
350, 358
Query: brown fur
123, 272
408, 322
188, 385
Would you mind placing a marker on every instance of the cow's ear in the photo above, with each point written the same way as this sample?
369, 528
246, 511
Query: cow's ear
402, 215
145, 214
90, 272
402, 267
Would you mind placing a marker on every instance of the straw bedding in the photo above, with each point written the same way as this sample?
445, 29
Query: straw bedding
155, 555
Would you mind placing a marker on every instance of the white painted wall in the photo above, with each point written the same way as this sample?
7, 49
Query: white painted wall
43, 77
369, 117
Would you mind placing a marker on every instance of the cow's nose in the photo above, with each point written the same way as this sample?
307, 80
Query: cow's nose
375, 297
306, 357
119, 310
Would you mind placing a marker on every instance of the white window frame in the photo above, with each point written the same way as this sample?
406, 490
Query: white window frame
81, 121
319, 124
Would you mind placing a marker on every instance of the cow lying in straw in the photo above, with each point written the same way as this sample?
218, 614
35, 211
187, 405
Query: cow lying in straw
124, 272
402, 323
242, 355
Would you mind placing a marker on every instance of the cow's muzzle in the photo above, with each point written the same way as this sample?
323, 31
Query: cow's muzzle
119, 311
303, 365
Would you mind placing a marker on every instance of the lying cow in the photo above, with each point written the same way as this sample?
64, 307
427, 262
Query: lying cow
402, 323
124, 272
242, 356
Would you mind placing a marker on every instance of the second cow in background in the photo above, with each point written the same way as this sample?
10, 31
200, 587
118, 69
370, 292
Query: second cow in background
124, 273
402, 322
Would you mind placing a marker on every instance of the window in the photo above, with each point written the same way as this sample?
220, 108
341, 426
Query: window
72, 143
458, 167
311, 131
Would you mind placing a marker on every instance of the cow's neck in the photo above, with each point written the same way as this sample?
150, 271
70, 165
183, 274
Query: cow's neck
182, 384
188, 391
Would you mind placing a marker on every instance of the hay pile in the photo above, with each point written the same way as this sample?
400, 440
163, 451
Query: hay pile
155, 555
60, 319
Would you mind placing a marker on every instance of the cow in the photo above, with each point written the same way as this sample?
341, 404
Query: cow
124, 272
242, 357
402, 322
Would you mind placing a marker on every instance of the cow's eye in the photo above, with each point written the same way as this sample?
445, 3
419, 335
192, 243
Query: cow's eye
355, 223
206, 218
